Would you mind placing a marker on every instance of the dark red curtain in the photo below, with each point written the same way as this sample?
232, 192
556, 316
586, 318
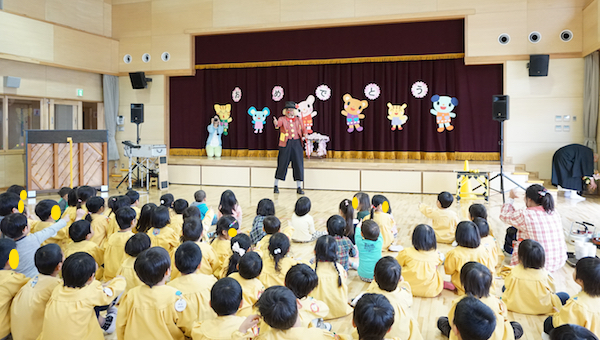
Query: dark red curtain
192, 100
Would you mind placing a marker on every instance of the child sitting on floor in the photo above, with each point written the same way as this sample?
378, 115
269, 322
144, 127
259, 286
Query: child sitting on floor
133, 247
176, 222
43, 210
229, 206
99, 222
240, 244
276, 263
347, 213
265, 208
249, 268
222, 243
302, 222
488, 242
373, 317
368, 242
114, 254
302, 280
160, 234
10, 284
336, 227
81, 233
271, 225
364, 205
384, 219
473, 320
444, 220
420, 263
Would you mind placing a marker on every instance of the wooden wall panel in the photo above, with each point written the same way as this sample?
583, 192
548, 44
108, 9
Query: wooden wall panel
82, 50
232, 13
25, 37
132, 19
136, 47
179, 47
591, 28
107, 20
386, 7
33, 78
483, 31
175, 16
184, 174
292, 10
486, 6
32, 8
550, 22
86, 15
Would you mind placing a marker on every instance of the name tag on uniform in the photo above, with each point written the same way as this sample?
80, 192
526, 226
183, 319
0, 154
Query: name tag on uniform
180, 304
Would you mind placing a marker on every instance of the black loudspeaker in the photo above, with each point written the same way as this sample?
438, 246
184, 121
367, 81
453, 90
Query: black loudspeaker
137, 113
500, 108
139, 80
538, 65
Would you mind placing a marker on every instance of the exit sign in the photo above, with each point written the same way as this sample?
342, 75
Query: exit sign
79, 92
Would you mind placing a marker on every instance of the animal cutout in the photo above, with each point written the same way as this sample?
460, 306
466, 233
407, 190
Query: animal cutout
396, 115
353, 109
259, 118
442, 110
306, 112
224, 113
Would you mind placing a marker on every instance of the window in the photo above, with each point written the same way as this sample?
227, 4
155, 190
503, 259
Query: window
22, 115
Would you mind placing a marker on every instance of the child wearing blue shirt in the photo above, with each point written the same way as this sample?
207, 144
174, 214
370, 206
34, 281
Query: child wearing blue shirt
369, 243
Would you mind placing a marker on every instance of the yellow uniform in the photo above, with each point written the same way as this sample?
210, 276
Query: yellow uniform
405, 325
443, 222
61, 238
387, 227
273, 277
164, 237
113, 226
195, 288
420, 269
503, 331
222, 249
530, 291
457, 257
312, 309
99, 225
263, 245
176, 224
219, 328
490, 245
138, 211
157, 311
294, 333
251, 291
70, 311
30, 305
90, 248
209, 261
128, 272
10, 283
328, 291
582, 310
114, 254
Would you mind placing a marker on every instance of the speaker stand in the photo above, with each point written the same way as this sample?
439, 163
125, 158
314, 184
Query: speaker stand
501, 175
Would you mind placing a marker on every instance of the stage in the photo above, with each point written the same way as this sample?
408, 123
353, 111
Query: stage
404, 176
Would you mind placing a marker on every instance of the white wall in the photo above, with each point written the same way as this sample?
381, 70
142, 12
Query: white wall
530, 136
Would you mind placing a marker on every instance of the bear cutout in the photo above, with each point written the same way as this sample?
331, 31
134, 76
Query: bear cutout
259, 118
224, 113
396, 115
442, 109
353, 109
306, 112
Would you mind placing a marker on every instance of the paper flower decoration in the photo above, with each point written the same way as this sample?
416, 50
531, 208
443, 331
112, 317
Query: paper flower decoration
236, 94
277, 93
419, 89
372, 91
323, 92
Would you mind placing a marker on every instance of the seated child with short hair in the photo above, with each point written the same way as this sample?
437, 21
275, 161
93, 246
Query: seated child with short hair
303, 223
389, 283
194, 286
477, 210
133, 247
444, 220
193, 230
116, 203
336, 227
276, 263
369, 243
134, 199
221, 244
10, 284
207, 215
279, 307
477, 280
529, 287
582, 309
176, 222
332, 288
15, 226
114, 254
301, 279
160, 234
265, 208
43, 211
95, 206
271, 225
420, 263
71, 312
154, 308
63, 193
373, 317
81, 233
473, 320
225, 299
249, 268
571, 332
30, 302
488, 242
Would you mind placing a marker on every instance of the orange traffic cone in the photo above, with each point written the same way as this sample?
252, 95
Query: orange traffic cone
465, 189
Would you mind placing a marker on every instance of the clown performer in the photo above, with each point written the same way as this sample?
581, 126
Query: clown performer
290, 146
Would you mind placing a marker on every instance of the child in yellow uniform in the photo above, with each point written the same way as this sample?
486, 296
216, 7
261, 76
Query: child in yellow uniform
373, 317
114, 254
302, 280
384, 219
249, 268
81, 233
240, 244
30, 303
116, 203
167, 200
473, 319
529, 287
279, 308
468, 239
133, 247
95, 206
176, 222
144, 223
271, 225
10, 284
195, 287
389, 283
276, 263
225, 299
332, 288
70, 310
134, 202
43, 211
153, 308
222, 243
160, 234
193, 231
420, 263
477, 280
582, 309
444, 220
488, 242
